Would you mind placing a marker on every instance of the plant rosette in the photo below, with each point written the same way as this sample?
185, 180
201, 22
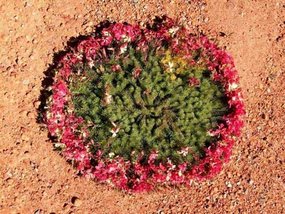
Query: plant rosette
138, 106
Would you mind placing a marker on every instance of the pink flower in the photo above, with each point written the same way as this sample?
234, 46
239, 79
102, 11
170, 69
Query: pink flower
192, 81
89, 47
116, 68
137, 72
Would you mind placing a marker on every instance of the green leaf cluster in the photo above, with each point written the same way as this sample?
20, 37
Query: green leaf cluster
128, 114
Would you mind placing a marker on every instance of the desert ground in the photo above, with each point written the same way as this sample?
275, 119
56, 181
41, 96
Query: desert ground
36, 179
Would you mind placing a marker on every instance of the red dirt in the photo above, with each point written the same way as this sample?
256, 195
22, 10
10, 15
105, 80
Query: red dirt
34, 178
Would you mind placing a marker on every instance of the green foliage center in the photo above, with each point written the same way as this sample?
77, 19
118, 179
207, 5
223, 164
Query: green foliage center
138, 102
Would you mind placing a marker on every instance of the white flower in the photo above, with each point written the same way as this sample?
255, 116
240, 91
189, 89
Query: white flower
59, 145
126, 38
123, 48
91, 64
108, 98
173, 30
233, 86
114, 130
106, 33
111, 154
210, 133
184, 152
170, 67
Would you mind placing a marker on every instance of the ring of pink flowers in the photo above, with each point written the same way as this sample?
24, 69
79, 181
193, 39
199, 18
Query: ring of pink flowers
64, 125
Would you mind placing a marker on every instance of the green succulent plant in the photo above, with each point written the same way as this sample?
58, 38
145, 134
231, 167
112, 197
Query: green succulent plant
141, 102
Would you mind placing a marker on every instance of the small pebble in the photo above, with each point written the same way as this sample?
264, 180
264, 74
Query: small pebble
76, 201
26, 82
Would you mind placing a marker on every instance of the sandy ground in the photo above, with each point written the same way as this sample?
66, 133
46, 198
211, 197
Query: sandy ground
35, 179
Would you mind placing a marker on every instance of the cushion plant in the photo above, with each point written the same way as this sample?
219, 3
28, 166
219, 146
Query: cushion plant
136, 106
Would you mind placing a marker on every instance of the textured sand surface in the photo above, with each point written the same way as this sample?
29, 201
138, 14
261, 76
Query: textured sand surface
35, 179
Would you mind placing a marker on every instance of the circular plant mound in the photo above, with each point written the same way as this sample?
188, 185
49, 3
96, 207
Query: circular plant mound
136, 106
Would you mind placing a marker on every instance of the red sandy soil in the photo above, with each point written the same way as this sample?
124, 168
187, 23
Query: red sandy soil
36, 179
